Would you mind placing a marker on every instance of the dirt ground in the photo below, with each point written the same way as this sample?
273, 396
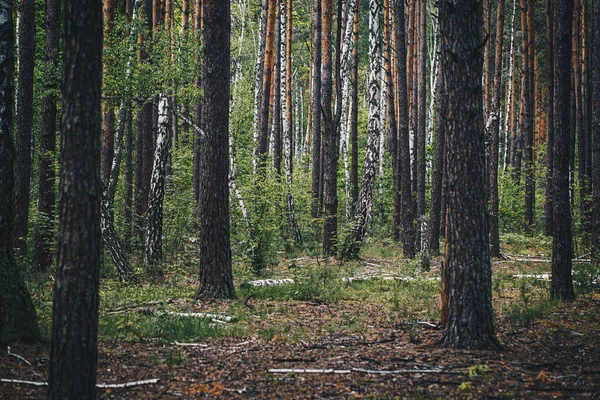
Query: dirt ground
555, 357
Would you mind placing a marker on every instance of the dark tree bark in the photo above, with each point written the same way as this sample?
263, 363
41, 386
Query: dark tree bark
143, 134
562, 241
494, 116
527, 116
317, 182
390, 108
596, 134
550, 111
196, 146
407, 218
216, 277
44, 236
330, 143
439, 165
470, 314
584, 138
17, 314
24, 116
73, 354
109, 13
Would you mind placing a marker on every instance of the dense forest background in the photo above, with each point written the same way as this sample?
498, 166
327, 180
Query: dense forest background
145, 57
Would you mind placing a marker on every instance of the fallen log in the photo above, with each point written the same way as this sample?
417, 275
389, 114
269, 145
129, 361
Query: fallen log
269, 282
98, 385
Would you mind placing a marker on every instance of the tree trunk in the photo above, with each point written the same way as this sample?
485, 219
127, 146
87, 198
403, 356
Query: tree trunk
260, 65
488, 13
73, 354
421, 125
143, 136
510, 103
317, 182
24, 117
392, 126
17, 313
109, 13
354, 111
263, 135
288, 142
527, 116
44, 236
437, 212
470, 314
596, 134
277, 53
562, 241
330, 143
153, 255
216, 277
583, 139
407, 218
362, 214
550, 111
196, 145
494, 115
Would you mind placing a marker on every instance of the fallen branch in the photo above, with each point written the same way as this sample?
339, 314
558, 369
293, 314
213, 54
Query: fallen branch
99, 385
17, 356
361, 370
126, 385
308, 371
214, 317
190, 344
269, 282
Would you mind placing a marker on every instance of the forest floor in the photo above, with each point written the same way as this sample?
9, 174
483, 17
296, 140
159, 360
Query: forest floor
376, 338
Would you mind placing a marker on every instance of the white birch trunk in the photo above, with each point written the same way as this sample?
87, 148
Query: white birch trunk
510, 88
260, 56
107, 224
153, 249
365, 198
343, 118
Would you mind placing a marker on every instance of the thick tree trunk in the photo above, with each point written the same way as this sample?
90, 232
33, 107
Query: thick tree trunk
562, 241
488, 13
437, 211
24, 117
494, 115
549, 227
315, 113
362, 214
408, 219
330, 143
583, 138
470, 314
153, 255
109, 13
596, 134
44, 236
17, 313
216, 277
73, 354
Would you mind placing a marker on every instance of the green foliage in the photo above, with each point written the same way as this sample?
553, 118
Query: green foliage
524, 314
586, 277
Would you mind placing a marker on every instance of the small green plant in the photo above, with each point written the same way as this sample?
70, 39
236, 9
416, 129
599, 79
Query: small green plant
586, 277
478, 370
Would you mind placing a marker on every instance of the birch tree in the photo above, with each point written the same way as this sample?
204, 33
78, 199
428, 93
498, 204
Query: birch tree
153, 249
362, 213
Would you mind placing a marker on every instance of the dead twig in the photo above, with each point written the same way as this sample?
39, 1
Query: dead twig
17, 356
